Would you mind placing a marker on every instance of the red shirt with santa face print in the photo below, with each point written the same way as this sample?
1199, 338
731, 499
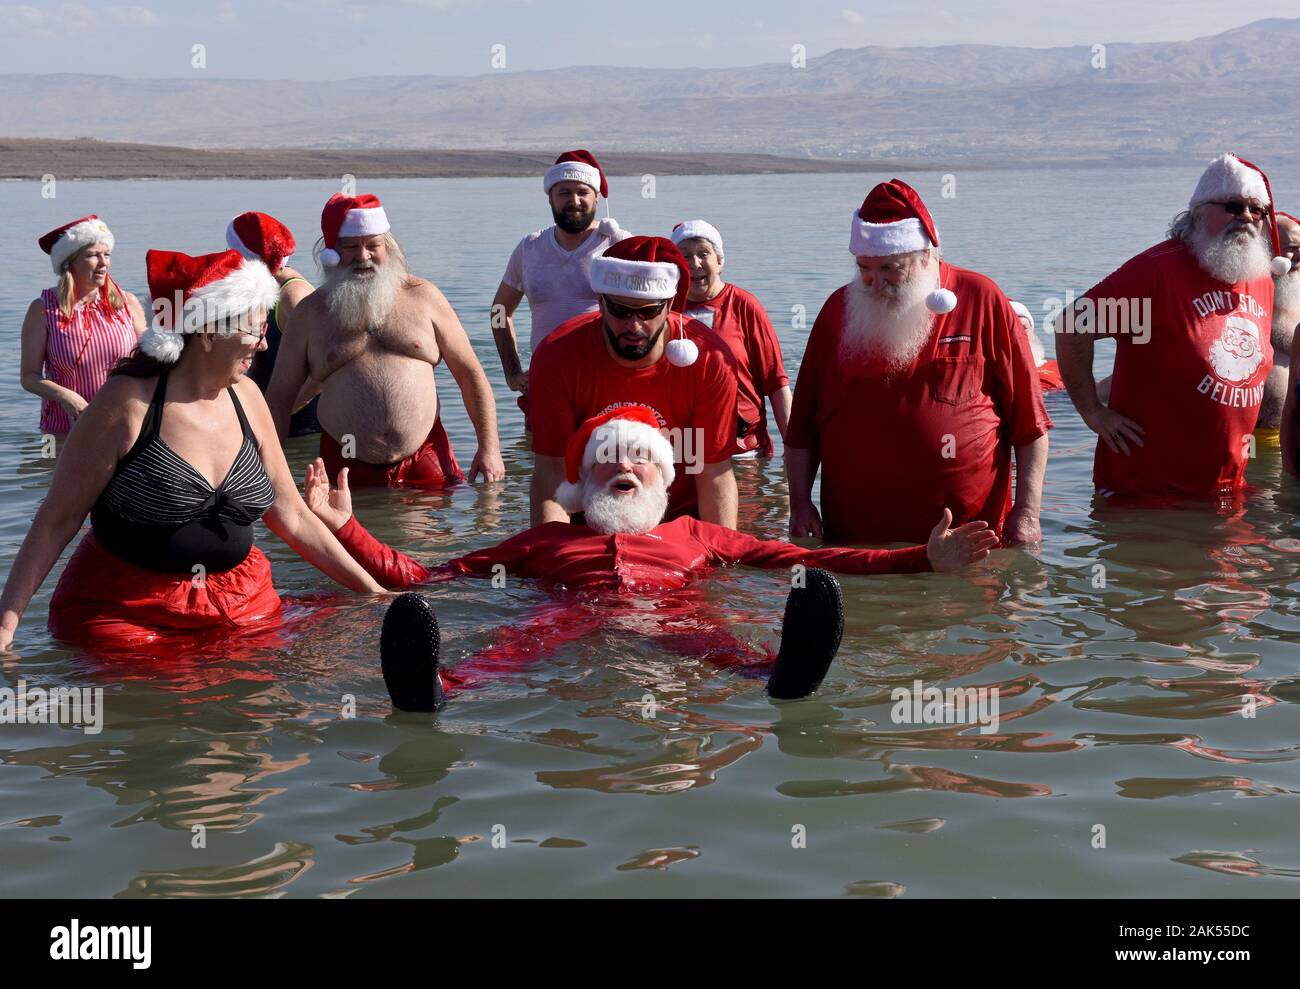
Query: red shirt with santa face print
897, 448
1195, 384
572, 377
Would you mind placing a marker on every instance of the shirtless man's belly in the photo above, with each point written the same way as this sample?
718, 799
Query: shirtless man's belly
377, 385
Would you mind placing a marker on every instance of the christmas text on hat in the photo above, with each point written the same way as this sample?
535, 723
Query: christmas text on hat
649, 268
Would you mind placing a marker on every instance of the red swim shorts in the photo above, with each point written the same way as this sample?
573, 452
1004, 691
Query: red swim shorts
104, 603
433, 465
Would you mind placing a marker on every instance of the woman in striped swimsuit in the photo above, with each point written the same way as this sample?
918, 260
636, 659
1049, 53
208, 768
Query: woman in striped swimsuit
80, 328
175, 460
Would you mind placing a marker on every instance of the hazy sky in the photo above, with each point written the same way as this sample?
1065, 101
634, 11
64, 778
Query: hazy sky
318, 39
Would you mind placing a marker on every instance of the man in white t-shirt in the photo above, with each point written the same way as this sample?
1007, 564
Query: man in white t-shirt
551, 267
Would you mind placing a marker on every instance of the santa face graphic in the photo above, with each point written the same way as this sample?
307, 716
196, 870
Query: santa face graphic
1237, 354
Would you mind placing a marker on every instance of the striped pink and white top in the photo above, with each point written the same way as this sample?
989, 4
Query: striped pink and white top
79, 350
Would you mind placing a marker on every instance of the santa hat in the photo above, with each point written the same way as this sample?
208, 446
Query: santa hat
349, 216
190, 293
701, 229
627, 427
262, 238
1232, 177
582, 166
893, 220
649, 268
577, 166
63, 242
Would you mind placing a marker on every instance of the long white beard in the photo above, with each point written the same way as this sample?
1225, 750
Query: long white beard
1286, 298
894, 325
632, 514
362, 302
1229, 258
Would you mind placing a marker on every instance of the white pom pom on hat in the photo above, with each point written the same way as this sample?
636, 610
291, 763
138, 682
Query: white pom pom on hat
941, 300
682, 352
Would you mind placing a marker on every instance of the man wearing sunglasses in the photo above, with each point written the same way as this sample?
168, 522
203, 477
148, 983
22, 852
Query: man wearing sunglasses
1191, 318
639, 349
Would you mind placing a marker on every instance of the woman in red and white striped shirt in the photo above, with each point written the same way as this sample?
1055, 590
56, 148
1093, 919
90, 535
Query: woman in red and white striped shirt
81, 327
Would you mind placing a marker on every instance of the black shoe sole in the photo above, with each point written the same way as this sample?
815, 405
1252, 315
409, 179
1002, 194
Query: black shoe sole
408, 648
810, 636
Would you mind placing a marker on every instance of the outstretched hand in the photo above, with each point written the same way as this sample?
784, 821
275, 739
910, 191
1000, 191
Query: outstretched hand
951, 549
333, 507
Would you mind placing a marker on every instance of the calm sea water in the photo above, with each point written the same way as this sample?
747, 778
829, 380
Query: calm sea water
1121, 721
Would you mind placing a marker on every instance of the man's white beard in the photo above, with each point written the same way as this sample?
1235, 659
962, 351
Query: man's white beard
362, 302
1286, 298
1229, 258
894, 325
634, 514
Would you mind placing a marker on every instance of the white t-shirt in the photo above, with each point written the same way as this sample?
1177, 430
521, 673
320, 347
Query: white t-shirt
555, 281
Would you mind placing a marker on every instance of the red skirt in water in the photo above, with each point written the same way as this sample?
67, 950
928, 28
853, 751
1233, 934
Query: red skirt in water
106, 605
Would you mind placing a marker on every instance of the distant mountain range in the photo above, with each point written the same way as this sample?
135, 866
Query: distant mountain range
977, 103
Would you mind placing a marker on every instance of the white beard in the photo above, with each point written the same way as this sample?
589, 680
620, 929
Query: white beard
1286, 300
1228, 258
894, 325
362, 303
632, 514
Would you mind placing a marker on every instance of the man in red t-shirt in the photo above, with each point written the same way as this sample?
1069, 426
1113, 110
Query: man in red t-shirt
916, 386
618, 467
638, 349
740, 321
1191, 319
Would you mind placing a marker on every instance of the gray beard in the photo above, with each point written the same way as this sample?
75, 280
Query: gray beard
892, 328
1286, 300
360, 303
1228, 259
606, 513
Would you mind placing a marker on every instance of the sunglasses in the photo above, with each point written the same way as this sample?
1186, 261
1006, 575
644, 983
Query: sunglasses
1237, 208
644, 313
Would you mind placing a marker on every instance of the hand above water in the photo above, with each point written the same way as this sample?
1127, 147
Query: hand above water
333, 507
952, 549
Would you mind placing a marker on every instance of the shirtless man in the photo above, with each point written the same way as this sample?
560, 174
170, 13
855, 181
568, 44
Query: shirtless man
1286, 315
373, 333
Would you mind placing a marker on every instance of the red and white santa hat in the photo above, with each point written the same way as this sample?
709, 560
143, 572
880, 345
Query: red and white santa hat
893, 220
191, 293
63, 242
701, 229
649, 268
582, 166
349, 216
577, 166
1231, 177
603, 438
261, 237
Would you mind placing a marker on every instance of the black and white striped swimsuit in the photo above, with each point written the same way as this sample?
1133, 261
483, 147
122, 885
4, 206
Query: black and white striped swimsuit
159, 513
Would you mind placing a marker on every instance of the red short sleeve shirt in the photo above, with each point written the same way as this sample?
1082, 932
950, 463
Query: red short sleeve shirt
896, 449
1192, 354
573, 377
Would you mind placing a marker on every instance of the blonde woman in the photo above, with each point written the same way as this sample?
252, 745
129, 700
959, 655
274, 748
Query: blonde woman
81, 327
